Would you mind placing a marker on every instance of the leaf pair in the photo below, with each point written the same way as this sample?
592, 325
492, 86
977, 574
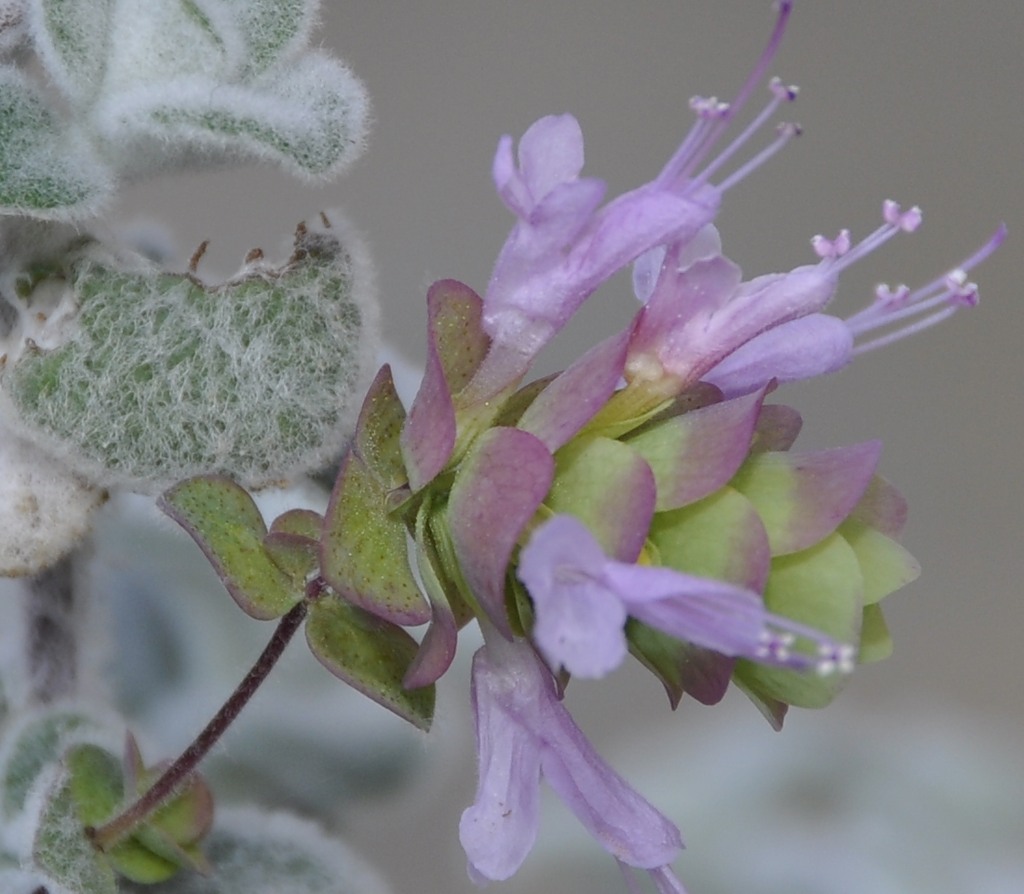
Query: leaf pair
267, 572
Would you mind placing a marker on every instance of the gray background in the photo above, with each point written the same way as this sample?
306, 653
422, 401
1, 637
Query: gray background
918, 101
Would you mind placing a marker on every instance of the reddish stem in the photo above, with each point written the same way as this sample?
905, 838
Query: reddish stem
174, 778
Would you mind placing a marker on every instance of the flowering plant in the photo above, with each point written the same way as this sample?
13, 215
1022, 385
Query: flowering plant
644, 501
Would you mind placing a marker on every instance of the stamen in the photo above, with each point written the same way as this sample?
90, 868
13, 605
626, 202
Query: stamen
715, 116
775, 647
908, 220
831, 248
944, 295
835, 659
786, 132
896, 221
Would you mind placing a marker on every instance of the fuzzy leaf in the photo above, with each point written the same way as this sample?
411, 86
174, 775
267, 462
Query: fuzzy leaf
163, 378
309, 117
226, 524
255, 852
272, 29
370, 655
71, 38
45, 170
364, 551
62, 850
29, 747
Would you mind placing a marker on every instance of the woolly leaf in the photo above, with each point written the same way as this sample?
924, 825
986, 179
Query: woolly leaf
370, 655
71, 38
255, 852
62, 850
163, 378
45, 170
364, 552
310, 117
33, 744
272, 29
226, 524
14, 880
45, 509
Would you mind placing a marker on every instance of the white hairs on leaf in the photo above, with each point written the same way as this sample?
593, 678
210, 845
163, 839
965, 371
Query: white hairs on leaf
163, 377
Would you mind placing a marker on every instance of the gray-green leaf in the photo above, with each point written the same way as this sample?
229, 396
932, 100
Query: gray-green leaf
46, 170
254, 852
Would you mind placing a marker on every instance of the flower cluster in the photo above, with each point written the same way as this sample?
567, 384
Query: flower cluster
645, 500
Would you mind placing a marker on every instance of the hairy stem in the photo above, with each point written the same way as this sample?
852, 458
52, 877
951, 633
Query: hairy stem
178, 773
52, 650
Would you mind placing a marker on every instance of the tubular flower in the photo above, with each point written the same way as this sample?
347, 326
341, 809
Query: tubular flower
524, 732
700, 322
582, 598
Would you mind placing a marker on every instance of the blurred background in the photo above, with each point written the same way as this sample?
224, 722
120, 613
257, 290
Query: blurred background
913, 778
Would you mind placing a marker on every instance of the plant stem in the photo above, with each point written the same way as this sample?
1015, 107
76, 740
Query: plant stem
178, 773
52, 651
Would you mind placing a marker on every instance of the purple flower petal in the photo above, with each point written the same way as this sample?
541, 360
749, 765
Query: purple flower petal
499, 829
579, 620
523, 732
800, 349
563, 562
